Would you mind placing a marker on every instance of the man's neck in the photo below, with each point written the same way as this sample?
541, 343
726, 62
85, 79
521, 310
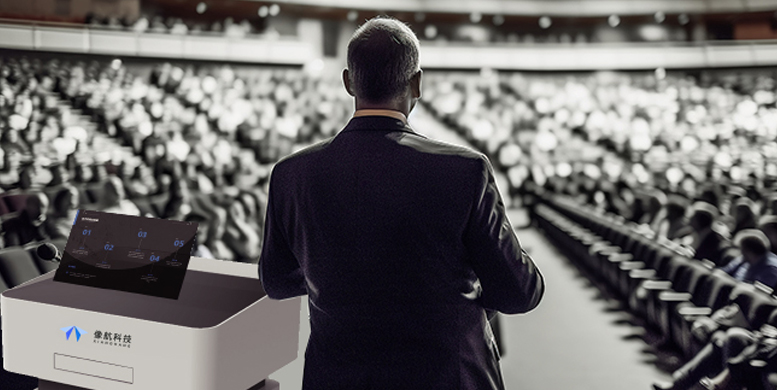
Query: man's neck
396, 105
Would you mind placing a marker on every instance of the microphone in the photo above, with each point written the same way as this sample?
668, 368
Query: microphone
47, 251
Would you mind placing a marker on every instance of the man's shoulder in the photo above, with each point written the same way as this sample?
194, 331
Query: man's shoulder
303, 153
771, 260
423, 144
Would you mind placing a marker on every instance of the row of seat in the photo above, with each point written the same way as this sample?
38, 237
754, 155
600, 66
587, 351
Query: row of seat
657, 282
19, 264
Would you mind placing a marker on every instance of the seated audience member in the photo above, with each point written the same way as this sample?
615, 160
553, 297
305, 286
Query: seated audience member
707, 243
674, 225
768, 225
100, 173
143, 182
757, 263
9, 175
83, 174
240, 237
744, 215
59, 175
179, 203
31, 225
712, 359
771, 205
203, 230
215, 241
114, 199
66, 203
655, 202
252, 211
710, 195
12, 142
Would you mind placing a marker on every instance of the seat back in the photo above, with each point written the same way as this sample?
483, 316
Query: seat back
761, 306
641, 247
3, 285
16, 202
17, 266
650, 256
703, 289
663, 262
720, 291
743, 295
772, 318
3, 207
697, 277
674, 269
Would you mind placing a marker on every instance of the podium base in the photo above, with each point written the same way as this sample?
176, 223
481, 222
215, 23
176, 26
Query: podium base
267, 384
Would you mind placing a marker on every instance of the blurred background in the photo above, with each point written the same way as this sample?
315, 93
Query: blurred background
617, 115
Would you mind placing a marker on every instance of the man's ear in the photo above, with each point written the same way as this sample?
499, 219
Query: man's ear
415, 84
347, 82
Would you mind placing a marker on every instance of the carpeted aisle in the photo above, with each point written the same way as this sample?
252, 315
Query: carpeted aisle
571, 341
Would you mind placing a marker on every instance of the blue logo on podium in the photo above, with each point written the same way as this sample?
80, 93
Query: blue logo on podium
70, 329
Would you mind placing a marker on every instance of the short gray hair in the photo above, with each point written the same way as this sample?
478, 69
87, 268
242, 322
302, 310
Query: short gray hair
382, 58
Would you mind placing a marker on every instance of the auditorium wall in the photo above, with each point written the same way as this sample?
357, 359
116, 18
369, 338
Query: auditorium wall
68, 10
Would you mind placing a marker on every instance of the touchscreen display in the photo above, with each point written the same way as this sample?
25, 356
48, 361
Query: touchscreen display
121, 252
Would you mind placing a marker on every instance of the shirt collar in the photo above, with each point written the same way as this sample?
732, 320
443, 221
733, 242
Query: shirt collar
381, 112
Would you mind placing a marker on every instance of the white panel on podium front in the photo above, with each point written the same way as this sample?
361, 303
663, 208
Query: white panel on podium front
93, 368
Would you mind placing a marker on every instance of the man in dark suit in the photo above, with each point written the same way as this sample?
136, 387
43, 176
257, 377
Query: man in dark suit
708, 244
401, 243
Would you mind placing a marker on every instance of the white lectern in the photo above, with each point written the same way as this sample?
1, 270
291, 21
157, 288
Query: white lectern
222, 333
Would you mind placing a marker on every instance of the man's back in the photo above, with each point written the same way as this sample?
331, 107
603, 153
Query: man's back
390, 231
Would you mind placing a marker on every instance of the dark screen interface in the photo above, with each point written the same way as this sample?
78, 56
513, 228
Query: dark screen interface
121, 252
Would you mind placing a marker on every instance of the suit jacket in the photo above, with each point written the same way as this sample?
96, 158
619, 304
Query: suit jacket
401, 243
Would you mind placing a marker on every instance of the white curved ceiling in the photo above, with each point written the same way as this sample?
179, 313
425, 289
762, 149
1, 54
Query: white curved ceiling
549, 7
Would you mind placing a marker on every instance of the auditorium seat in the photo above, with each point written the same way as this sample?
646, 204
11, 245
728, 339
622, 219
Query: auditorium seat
714, 295
15, 202
651, 282
3, 287
3, 208
685, 286
673, 274
760, 307
17, 266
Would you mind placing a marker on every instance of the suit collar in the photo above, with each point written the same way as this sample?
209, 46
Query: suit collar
377, 122
380, 112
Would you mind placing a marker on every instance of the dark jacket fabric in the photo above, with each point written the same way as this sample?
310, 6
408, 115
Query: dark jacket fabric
401, 244
714, 248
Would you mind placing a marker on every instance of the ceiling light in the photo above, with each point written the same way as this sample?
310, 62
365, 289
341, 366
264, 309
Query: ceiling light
545, 22
614, 20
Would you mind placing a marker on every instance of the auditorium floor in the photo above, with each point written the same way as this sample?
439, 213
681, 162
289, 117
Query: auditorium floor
571, 341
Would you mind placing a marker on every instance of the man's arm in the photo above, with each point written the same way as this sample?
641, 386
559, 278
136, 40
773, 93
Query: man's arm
279, 270
510, 280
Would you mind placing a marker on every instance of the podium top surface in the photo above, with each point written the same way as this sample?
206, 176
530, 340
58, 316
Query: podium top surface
206, 300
